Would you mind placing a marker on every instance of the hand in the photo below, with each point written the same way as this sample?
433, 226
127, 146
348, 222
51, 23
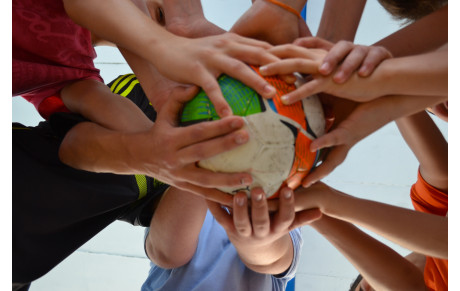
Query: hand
170, 153
268, 22
255, 227
199, 61
358, 120
346, 57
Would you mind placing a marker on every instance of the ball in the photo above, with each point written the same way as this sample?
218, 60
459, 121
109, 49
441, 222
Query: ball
278, 151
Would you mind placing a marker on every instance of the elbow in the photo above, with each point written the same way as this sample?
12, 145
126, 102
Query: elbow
167, 259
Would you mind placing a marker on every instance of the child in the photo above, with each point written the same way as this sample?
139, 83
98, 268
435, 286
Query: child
424, 233
52, 59
235, 250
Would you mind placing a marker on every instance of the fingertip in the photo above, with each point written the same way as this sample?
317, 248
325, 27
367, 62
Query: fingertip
325, 68
269, 91
339, 78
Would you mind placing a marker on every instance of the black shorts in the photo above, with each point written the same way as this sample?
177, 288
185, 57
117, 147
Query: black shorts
56, 208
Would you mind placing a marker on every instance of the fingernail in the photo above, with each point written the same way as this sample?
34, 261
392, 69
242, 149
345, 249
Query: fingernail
287, 193
240, 201
258, 196
226, 112
246, 181
269, 90
263, 70
285, 100
237, 123
339, 77
241, 139
325, 68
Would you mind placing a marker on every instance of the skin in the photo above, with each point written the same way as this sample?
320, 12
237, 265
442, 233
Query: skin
263, 243
172, 55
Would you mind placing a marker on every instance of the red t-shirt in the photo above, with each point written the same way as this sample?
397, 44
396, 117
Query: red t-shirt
49, 52
428, 199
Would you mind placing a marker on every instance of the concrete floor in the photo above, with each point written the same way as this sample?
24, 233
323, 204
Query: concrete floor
380, 168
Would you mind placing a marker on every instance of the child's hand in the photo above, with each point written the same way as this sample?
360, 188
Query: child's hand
199, 61
170, 153
346, 57
261, 239
255, 227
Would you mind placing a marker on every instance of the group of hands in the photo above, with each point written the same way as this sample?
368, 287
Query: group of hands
328, 66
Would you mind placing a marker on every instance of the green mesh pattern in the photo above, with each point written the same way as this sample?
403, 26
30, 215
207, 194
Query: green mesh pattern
242, 99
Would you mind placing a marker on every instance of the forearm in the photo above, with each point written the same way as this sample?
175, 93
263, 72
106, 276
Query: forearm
424, 35
274, 258
421, 232
140, 35
336, 25
91, 147
381, 266
429, 146
95, 101
175, 227
421, 75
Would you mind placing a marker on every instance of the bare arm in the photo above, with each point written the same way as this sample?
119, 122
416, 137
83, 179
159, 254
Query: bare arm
421, 232
428, 145
336, 25
383, 268
174, 56
164, 151
96, 102
174, 229
426, 34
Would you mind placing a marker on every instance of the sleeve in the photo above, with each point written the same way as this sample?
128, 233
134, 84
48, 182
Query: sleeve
427, 198
297, 242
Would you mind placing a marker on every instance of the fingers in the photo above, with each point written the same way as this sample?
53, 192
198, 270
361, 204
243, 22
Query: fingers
208, 193
289, 66
211, 179
249, 77
206, 139
314, 42
375, 56
241, 219
311, 87
259, 213
208, 82
335, 157
352, 62
305, 217
220, 214
336, 137
285, 215
336, 54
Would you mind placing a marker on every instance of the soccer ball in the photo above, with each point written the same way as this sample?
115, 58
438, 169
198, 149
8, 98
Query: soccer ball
278, 150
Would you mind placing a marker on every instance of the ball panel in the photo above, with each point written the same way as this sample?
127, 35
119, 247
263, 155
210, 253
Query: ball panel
278, 151
242, 99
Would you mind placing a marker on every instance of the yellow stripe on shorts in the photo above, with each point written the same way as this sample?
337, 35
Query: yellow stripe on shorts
142, 185
123, 83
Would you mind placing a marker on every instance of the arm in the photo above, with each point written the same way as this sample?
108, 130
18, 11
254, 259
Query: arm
428, 145
263, 243
269, 22
174, 56
336, 25
91, 147
95, 101
420, 75
174, 229
382, 267
421, 232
